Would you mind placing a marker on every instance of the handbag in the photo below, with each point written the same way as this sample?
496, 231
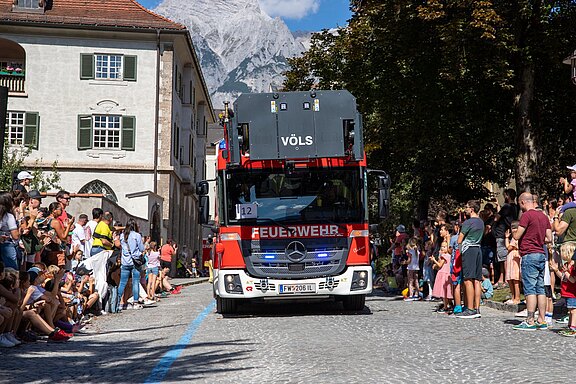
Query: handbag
138, 261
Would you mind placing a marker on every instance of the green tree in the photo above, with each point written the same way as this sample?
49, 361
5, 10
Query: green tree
454, 94
13, 162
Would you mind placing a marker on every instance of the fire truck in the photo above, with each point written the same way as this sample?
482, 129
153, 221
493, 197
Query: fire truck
293, 201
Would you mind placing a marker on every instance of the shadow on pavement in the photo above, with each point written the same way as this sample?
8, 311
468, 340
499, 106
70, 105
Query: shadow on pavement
93, 361
289, 309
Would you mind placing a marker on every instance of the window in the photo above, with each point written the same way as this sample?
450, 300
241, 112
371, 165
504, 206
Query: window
190, 150
106, 132
108, 67
15, 123
176, 140
99, 187
33, 4
22, 128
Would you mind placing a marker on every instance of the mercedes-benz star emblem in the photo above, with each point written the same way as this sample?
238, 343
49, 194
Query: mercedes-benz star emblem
296, 251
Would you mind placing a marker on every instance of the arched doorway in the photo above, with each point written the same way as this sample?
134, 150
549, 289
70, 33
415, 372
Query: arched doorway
12, 65
155, 224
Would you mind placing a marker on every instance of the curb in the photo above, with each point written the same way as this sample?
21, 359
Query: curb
194, 282
514, 308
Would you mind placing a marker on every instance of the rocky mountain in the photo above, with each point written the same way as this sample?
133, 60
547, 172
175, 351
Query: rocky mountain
241, 48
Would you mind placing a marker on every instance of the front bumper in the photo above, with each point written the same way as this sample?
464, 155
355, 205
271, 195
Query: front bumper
255, 288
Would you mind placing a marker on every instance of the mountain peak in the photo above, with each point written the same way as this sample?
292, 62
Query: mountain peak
240, 47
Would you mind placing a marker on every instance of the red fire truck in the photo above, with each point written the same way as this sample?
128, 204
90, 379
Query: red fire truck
292, 201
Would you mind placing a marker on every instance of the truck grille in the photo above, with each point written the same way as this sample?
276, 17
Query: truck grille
323, 257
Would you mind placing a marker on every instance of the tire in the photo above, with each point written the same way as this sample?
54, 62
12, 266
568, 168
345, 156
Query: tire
225, 306
354, 302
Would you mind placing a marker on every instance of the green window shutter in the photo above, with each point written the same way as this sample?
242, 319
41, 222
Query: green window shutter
130, 68
86, 66
129, 133
31, 129
84, 132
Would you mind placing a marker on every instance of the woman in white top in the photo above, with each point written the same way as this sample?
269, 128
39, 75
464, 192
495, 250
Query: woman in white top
9, 233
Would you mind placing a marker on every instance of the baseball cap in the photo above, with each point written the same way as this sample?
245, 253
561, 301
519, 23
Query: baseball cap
35, 194
24, 175
33, 273
401, 228
572, 167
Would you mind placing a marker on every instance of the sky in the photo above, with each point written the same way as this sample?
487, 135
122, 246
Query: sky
303, 15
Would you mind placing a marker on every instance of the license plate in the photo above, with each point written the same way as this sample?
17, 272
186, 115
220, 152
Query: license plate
297, 288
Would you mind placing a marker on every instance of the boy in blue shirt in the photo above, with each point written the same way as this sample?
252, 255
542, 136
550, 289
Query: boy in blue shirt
487, 288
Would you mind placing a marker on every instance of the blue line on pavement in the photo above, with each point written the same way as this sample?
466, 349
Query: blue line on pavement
161, 369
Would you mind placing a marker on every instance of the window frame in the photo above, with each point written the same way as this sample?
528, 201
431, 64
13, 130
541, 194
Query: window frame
107, 130
10, 126
119, 69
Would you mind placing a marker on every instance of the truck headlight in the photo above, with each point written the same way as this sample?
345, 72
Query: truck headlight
359, 280
232, 284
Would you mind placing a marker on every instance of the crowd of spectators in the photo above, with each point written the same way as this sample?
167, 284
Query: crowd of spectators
527, 245
58, 270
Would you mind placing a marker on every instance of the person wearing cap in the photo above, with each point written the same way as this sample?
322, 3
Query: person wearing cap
569, 186
23, 184
397, 245
487, 288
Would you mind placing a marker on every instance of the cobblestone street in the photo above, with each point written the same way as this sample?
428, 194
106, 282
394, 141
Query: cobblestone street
390, 342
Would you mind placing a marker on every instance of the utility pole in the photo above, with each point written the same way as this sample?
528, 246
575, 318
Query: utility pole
3, 108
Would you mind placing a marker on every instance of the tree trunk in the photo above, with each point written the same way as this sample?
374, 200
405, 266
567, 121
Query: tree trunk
527, 155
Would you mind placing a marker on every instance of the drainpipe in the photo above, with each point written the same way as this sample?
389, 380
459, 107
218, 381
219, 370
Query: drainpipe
157, 117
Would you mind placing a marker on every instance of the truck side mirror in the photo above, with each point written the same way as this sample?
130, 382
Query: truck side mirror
383, 196
202, 188
204, 208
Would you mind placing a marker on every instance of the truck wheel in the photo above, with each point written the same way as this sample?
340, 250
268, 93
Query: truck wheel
225, 306
354, 302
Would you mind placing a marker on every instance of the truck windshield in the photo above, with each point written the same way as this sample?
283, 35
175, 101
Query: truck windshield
304, 196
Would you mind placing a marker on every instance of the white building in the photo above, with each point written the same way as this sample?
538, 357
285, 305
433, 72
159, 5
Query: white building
115, 94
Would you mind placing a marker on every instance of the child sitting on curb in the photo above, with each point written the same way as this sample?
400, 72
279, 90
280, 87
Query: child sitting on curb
487, 288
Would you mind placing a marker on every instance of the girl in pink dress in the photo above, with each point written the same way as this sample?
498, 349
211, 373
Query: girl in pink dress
443, 283
513, 265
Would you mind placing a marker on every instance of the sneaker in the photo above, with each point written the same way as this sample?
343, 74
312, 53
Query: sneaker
457, 309
405, 299
5, 342
10, 336
148, 302
466, 314
428, 298
563, 320
524, 313
570, 332
58, 336
441, 310
543, 325
137, 306
477, 315
176, 290
524, 326
549, 321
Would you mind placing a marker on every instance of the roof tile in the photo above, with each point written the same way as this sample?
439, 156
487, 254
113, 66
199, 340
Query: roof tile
112, 13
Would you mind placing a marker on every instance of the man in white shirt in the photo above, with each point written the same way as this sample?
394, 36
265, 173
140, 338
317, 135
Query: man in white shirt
79, 235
